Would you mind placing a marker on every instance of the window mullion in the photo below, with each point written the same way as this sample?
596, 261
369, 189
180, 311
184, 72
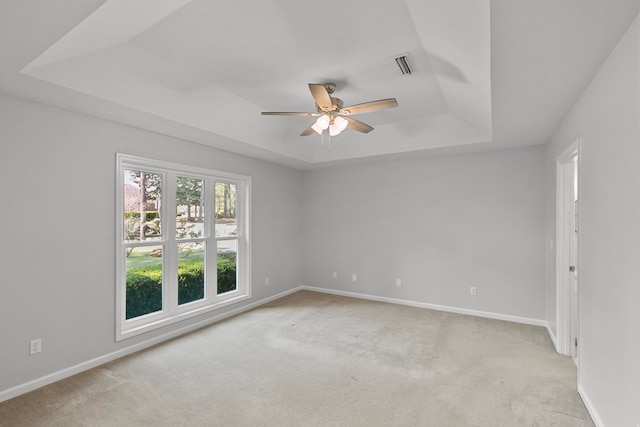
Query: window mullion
211, 260
170, 267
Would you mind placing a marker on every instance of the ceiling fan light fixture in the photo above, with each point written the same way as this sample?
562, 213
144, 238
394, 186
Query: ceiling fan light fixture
339, 124
317, 129
321, 124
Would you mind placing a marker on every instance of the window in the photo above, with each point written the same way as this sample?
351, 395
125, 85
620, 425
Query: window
182, 243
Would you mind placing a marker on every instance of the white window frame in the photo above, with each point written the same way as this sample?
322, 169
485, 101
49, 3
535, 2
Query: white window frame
172, 312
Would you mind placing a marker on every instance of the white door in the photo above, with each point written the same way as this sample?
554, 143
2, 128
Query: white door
574, 283
567, 289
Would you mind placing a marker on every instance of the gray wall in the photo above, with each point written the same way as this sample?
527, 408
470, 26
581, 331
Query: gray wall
441, 224
607, 119
57, 186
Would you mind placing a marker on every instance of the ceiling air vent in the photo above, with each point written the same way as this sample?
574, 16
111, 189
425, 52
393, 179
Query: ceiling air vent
403, 63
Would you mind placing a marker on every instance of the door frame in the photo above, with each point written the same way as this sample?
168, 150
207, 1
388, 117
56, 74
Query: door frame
564, 285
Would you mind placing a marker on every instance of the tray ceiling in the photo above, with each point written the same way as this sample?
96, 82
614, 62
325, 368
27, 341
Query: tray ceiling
203, 70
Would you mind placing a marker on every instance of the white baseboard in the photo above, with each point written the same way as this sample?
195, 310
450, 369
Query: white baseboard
592, 410
552, 335
486, 314
101, 360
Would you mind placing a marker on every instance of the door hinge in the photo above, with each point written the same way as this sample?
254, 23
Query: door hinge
576, 342
572, 268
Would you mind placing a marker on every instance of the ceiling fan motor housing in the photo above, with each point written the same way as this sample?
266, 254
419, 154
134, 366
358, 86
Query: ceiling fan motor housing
330, 87
336, 104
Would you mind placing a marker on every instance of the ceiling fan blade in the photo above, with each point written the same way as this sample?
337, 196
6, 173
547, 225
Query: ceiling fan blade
357, 125
321, 96
307, 131
289, 113
367, 107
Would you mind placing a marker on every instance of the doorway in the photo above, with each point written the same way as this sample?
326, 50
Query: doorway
567, 236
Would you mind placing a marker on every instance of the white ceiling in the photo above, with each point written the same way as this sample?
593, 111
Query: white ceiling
487, 74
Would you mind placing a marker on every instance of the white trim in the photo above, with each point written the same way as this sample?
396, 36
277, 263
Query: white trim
457, 310
180, 317
590, 408
171, 311
162, 165
101, 360
552, 335
563, 290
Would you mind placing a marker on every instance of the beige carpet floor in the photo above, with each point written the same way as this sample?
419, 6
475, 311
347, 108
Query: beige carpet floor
312, 359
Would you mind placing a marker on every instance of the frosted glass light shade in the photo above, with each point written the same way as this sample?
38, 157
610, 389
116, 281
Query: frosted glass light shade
339, 124
321, 124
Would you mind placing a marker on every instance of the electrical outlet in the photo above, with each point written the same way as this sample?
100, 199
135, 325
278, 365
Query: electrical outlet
354, 277
473, 290
335, 274
398, 282
266, 281
35, 346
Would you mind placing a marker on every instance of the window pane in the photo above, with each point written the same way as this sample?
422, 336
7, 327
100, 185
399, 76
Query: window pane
142, 198
190, 272
189, 207
144, 280
225, 207
227, 254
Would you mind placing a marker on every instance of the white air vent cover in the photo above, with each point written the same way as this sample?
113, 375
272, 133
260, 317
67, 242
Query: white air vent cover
404, 63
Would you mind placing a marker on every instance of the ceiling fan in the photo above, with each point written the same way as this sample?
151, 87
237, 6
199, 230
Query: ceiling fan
332, 114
